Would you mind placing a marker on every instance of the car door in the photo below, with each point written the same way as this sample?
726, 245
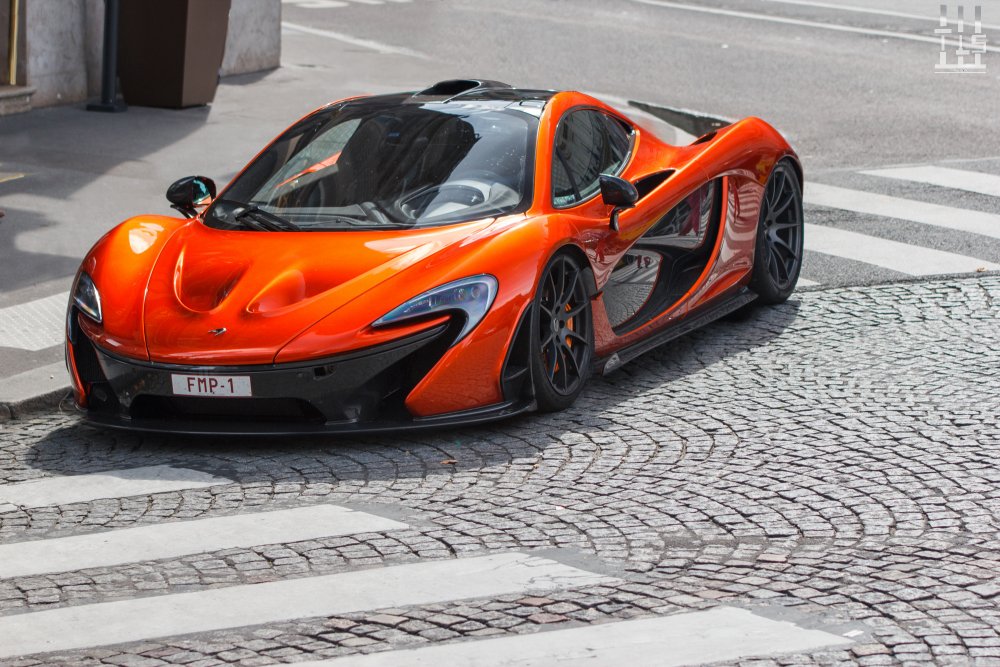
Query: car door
657, 257
665, 261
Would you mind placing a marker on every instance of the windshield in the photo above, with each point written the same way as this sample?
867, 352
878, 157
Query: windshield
374, 166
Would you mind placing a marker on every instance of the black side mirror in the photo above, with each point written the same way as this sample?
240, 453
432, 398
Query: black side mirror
187, 193
619, 193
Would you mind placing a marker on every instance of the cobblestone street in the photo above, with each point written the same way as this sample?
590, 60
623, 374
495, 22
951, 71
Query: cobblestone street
830, 462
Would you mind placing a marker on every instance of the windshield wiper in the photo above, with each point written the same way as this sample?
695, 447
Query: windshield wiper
340, 217
252, 213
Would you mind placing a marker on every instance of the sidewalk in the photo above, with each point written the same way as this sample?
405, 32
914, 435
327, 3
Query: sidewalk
67, 176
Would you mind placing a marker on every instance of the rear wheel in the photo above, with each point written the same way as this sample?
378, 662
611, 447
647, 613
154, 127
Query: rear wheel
778, 254
562, 341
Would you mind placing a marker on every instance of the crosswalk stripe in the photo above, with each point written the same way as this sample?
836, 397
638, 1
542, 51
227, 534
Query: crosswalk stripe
909, 259
170, 540
120, 621
111, 484
957, 179
723, 633
34, 325
963, 220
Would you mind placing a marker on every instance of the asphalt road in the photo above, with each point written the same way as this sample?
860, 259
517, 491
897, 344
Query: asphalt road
846, 100
853, 87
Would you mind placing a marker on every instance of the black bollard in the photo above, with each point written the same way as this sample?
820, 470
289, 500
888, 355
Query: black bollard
109, 66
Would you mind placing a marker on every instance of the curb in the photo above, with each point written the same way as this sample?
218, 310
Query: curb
33, 391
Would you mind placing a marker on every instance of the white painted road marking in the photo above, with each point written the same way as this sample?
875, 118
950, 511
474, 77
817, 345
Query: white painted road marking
805, 282
173, 539
929, 16
962, 220
34, 325
803, 23
957, 179
111, 484
140, 619
723, 633
10, 176
354, 41
909, 259
337, 4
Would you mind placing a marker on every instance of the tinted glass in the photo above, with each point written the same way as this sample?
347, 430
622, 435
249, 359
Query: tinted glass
588, 143
365, 166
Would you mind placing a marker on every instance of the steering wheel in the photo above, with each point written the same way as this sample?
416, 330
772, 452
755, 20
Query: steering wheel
466, 192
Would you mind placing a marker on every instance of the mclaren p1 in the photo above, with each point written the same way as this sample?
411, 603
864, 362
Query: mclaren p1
453, 255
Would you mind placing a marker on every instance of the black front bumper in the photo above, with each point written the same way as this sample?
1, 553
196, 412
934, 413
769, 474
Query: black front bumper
360, 392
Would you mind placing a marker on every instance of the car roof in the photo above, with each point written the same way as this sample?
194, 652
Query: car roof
469, 93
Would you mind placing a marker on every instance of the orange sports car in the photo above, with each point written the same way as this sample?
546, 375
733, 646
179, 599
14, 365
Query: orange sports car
454, 255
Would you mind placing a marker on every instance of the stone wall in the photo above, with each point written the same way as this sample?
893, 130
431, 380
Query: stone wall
254, 41
55, 51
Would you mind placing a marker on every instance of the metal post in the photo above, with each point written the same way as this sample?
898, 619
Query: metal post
12, 42
109, 66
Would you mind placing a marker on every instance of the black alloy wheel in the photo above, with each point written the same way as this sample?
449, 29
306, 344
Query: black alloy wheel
563, 335
778, 255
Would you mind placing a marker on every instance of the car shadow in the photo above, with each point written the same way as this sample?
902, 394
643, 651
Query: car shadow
22, 268
741, 332
72, 175
77, 448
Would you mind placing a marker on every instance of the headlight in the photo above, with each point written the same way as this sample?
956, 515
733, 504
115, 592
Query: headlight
87, 298
473, 296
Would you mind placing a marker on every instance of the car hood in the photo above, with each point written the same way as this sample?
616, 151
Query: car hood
237, 297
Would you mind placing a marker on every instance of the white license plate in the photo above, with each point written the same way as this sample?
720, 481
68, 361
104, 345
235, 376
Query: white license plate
211, 385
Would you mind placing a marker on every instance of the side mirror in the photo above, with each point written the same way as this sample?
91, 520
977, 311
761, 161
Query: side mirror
619, 193
187, 193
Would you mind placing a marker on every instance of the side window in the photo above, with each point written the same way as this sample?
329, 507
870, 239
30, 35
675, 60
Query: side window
619, 140
588, 143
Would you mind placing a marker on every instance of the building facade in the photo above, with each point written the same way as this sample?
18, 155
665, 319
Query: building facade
59, 46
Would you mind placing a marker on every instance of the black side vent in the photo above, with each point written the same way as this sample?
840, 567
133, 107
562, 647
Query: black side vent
703, 139
454, 87
647, 184
515, 378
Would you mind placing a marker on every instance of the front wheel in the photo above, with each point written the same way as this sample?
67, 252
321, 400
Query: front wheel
562, 342
778, 254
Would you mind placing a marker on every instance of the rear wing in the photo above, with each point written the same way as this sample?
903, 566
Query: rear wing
693, 123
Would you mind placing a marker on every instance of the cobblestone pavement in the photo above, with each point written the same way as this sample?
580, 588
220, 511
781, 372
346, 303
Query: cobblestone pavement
831, 460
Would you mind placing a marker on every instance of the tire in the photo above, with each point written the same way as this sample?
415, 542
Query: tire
562, 334
778, 252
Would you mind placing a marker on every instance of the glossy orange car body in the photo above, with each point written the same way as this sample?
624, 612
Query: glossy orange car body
285, 298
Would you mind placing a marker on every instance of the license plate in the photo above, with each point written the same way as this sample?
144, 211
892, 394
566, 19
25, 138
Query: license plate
211, 385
